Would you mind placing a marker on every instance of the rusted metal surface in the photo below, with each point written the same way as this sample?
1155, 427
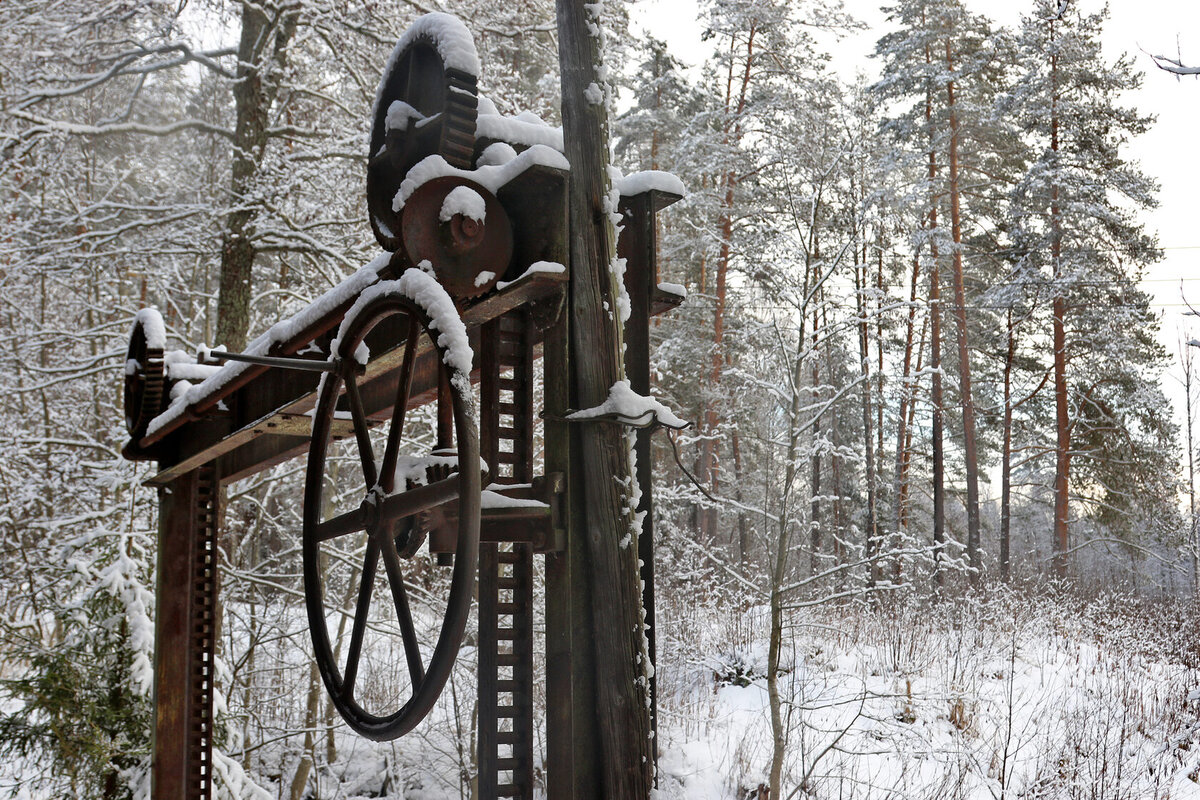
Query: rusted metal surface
387, 516
184, 643
505, 680
445, 100
467, 255
144, 382
265, 414
261, 392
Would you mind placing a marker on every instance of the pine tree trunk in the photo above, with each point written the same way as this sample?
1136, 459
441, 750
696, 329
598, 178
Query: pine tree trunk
1186, 357
900, 477
1062, 415
743, 524
712, 416
872, 532
935, 363
880, 434
815, 466
905, 510
960, 314
935, 353
1006, 454
1062, 439
735, 105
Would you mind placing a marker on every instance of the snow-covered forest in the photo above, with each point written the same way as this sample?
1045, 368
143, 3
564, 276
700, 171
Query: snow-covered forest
932, 533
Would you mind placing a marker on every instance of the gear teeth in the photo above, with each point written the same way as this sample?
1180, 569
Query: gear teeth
455, 140
460, 115
144, 389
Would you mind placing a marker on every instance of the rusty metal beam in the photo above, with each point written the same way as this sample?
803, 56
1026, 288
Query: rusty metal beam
184, 637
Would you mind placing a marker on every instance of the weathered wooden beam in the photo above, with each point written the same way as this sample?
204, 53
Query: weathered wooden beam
598, 452
242, 434
637, 245
572, 731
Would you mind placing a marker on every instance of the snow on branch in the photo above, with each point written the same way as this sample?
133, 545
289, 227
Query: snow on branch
127, 64
1174, 65
44, 125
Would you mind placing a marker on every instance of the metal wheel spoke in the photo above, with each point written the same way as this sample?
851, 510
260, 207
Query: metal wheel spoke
361, 433
387, 515
403, 387
408, 633
350, 522
419, 498
365, 586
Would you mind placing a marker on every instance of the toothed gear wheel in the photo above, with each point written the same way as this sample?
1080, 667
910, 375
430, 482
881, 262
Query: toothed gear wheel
145, 379
437, 117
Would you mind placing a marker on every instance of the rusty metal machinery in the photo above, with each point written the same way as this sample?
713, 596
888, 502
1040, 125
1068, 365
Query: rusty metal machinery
424, 106
384, 521
144, 372
393, 518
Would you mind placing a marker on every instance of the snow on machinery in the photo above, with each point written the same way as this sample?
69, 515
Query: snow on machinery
471, 209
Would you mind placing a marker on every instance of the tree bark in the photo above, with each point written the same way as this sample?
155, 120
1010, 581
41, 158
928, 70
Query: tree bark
815, 465
621, 664
1185, 357
935, 355
872, 532
900, 481
1062, 414
731, 136
960, 315
253, 94
779, 572
1006, 455
311, 711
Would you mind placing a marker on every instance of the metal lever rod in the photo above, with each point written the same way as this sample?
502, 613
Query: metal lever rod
304, 364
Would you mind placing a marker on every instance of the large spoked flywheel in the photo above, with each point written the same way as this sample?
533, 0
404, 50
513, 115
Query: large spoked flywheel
386, 620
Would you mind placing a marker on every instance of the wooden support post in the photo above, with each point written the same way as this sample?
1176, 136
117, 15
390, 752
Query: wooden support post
184, 637
637, 246
572, 744
600, 473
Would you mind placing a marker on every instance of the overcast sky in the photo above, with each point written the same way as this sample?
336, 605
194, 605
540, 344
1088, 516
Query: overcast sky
1170, 152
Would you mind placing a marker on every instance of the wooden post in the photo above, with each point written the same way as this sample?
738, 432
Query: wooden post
600, 471
572, 734
638, 246
183, 641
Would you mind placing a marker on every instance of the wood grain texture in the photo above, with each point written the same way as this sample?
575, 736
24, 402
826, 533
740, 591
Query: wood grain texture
626, 767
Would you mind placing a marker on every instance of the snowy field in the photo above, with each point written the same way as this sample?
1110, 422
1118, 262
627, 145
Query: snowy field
996, 697
989, 698
1006, 699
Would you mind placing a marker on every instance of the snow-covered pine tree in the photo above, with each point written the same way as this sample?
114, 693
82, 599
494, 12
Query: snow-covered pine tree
1074, 219
941, 69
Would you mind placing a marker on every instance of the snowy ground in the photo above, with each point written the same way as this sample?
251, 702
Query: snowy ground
989, 698
998, 698
1014, 699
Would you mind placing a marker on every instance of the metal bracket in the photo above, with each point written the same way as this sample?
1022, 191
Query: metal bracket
648, 419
